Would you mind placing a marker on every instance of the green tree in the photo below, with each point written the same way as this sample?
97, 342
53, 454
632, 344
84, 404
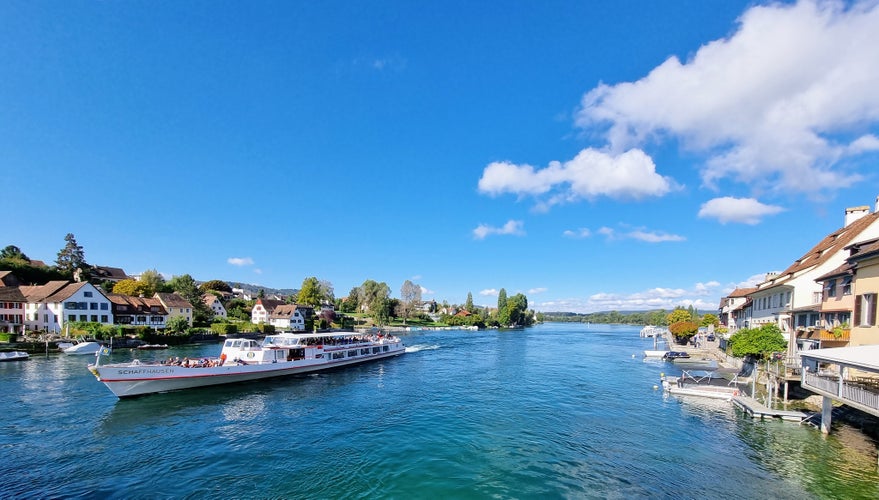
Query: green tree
239, 309
309, 292
152, 282
71, 257
758, 342
679, 314
517, 307
186, 287
177, 324
709, 320
501, 300
374, 296
12, 252
468, 306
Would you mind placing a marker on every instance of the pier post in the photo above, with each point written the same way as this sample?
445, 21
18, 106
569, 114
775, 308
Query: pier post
826, 411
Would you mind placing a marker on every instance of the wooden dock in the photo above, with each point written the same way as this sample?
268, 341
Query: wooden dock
755, 409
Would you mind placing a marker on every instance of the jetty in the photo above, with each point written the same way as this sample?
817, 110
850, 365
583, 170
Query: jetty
755, 409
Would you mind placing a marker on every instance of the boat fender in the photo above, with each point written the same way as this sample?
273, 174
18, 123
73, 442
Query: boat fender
735, 393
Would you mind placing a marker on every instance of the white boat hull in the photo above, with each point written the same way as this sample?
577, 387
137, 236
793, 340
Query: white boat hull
14, 356
137, 379
82, 348
654, 354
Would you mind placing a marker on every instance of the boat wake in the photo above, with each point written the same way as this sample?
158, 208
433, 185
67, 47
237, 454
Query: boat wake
421, 347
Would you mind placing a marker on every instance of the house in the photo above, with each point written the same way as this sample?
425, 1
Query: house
12, 303
262, 309
113, 274
138, 311
792, 298
176, 306
288, 317
9, 279
215, 305
864, 324
733, 309
49, 307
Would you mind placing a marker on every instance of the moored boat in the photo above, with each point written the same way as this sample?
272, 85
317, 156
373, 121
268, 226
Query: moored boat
246, 359
14, 356
80, 347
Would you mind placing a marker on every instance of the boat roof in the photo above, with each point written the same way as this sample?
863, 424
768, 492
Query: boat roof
316, 335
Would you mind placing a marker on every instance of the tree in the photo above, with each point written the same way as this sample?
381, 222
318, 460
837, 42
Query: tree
468, 306
679, 314
410, 298
12, 252
71, 257
758, 342
709, 320
516, 310
185, 286
501, 300
239, 309
152, 282
309, 293
215, 285
177, 324
132, 288
326, 291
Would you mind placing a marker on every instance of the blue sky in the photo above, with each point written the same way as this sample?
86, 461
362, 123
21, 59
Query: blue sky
592, 155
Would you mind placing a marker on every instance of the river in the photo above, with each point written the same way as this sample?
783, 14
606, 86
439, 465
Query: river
553, 411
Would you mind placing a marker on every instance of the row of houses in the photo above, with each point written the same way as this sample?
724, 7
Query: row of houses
826, 298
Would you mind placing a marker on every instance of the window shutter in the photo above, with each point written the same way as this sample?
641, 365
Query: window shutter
871, 319
856, 316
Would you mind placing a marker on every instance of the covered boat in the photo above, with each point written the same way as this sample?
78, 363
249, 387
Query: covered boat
14, 356
246, 359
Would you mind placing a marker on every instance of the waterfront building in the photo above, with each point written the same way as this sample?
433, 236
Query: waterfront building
262, 309
12, 304
734, 311
288, 317
176, 305
49, 307
215, 305
138, 311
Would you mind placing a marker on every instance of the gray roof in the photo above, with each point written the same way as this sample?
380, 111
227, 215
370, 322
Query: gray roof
865, 356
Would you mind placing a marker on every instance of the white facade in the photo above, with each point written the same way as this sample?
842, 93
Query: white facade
216, 306
51, 314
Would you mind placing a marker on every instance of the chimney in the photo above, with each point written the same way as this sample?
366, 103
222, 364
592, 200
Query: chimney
854, 213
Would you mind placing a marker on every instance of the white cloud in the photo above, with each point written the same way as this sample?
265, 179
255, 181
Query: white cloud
240, 261
535, 291
514, 227
639, 234
492, 292
741, 210
777, 105
590, 175
257, 271
579, 233
699, 296
425, 291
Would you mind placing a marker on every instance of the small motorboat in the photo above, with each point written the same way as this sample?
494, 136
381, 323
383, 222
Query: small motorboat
80, 346
14, 356
673, 355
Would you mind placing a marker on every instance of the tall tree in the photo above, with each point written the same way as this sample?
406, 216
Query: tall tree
468, 306
309, 292
186, 287
152, 281
410, 298
71, 257
326, 291
501, 300
215, 285
374, 295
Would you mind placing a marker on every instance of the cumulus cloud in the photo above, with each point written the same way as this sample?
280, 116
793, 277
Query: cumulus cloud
489, 292
535, 291
778, 104
240, 261
425, 291
741, 210
590, 175
514, 227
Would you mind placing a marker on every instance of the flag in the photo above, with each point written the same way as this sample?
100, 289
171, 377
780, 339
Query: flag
103, 351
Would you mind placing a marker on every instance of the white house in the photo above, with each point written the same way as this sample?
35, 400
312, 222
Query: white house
215, 304
733, 310
792, 298
288, 317
262, 309
50, 306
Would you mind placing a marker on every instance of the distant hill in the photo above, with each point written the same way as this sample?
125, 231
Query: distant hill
654, 316
255, 289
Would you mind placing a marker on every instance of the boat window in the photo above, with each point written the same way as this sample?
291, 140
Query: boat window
338, 355
364, 351
236, 343
268, 341
375, 350
385, 348
352, 353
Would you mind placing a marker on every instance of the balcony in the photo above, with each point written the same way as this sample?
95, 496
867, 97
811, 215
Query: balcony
861, 393
844, 335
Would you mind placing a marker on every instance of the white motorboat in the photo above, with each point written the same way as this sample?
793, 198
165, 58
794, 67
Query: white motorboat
246, 359
14, 356
79, 347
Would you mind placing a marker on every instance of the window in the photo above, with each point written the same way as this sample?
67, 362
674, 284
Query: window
105, 306
83, 317
93, 306
86, 294
104, 318
71, 317
830, 288
71, 305
865, 309
847, 285
94, 318
82, 306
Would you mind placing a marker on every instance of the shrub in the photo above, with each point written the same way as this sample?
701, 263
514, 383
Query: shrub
224, 329
683, 330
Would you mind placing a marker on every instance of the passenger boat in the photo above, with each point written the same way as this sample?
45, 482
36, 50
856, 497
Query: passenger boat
246, 359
